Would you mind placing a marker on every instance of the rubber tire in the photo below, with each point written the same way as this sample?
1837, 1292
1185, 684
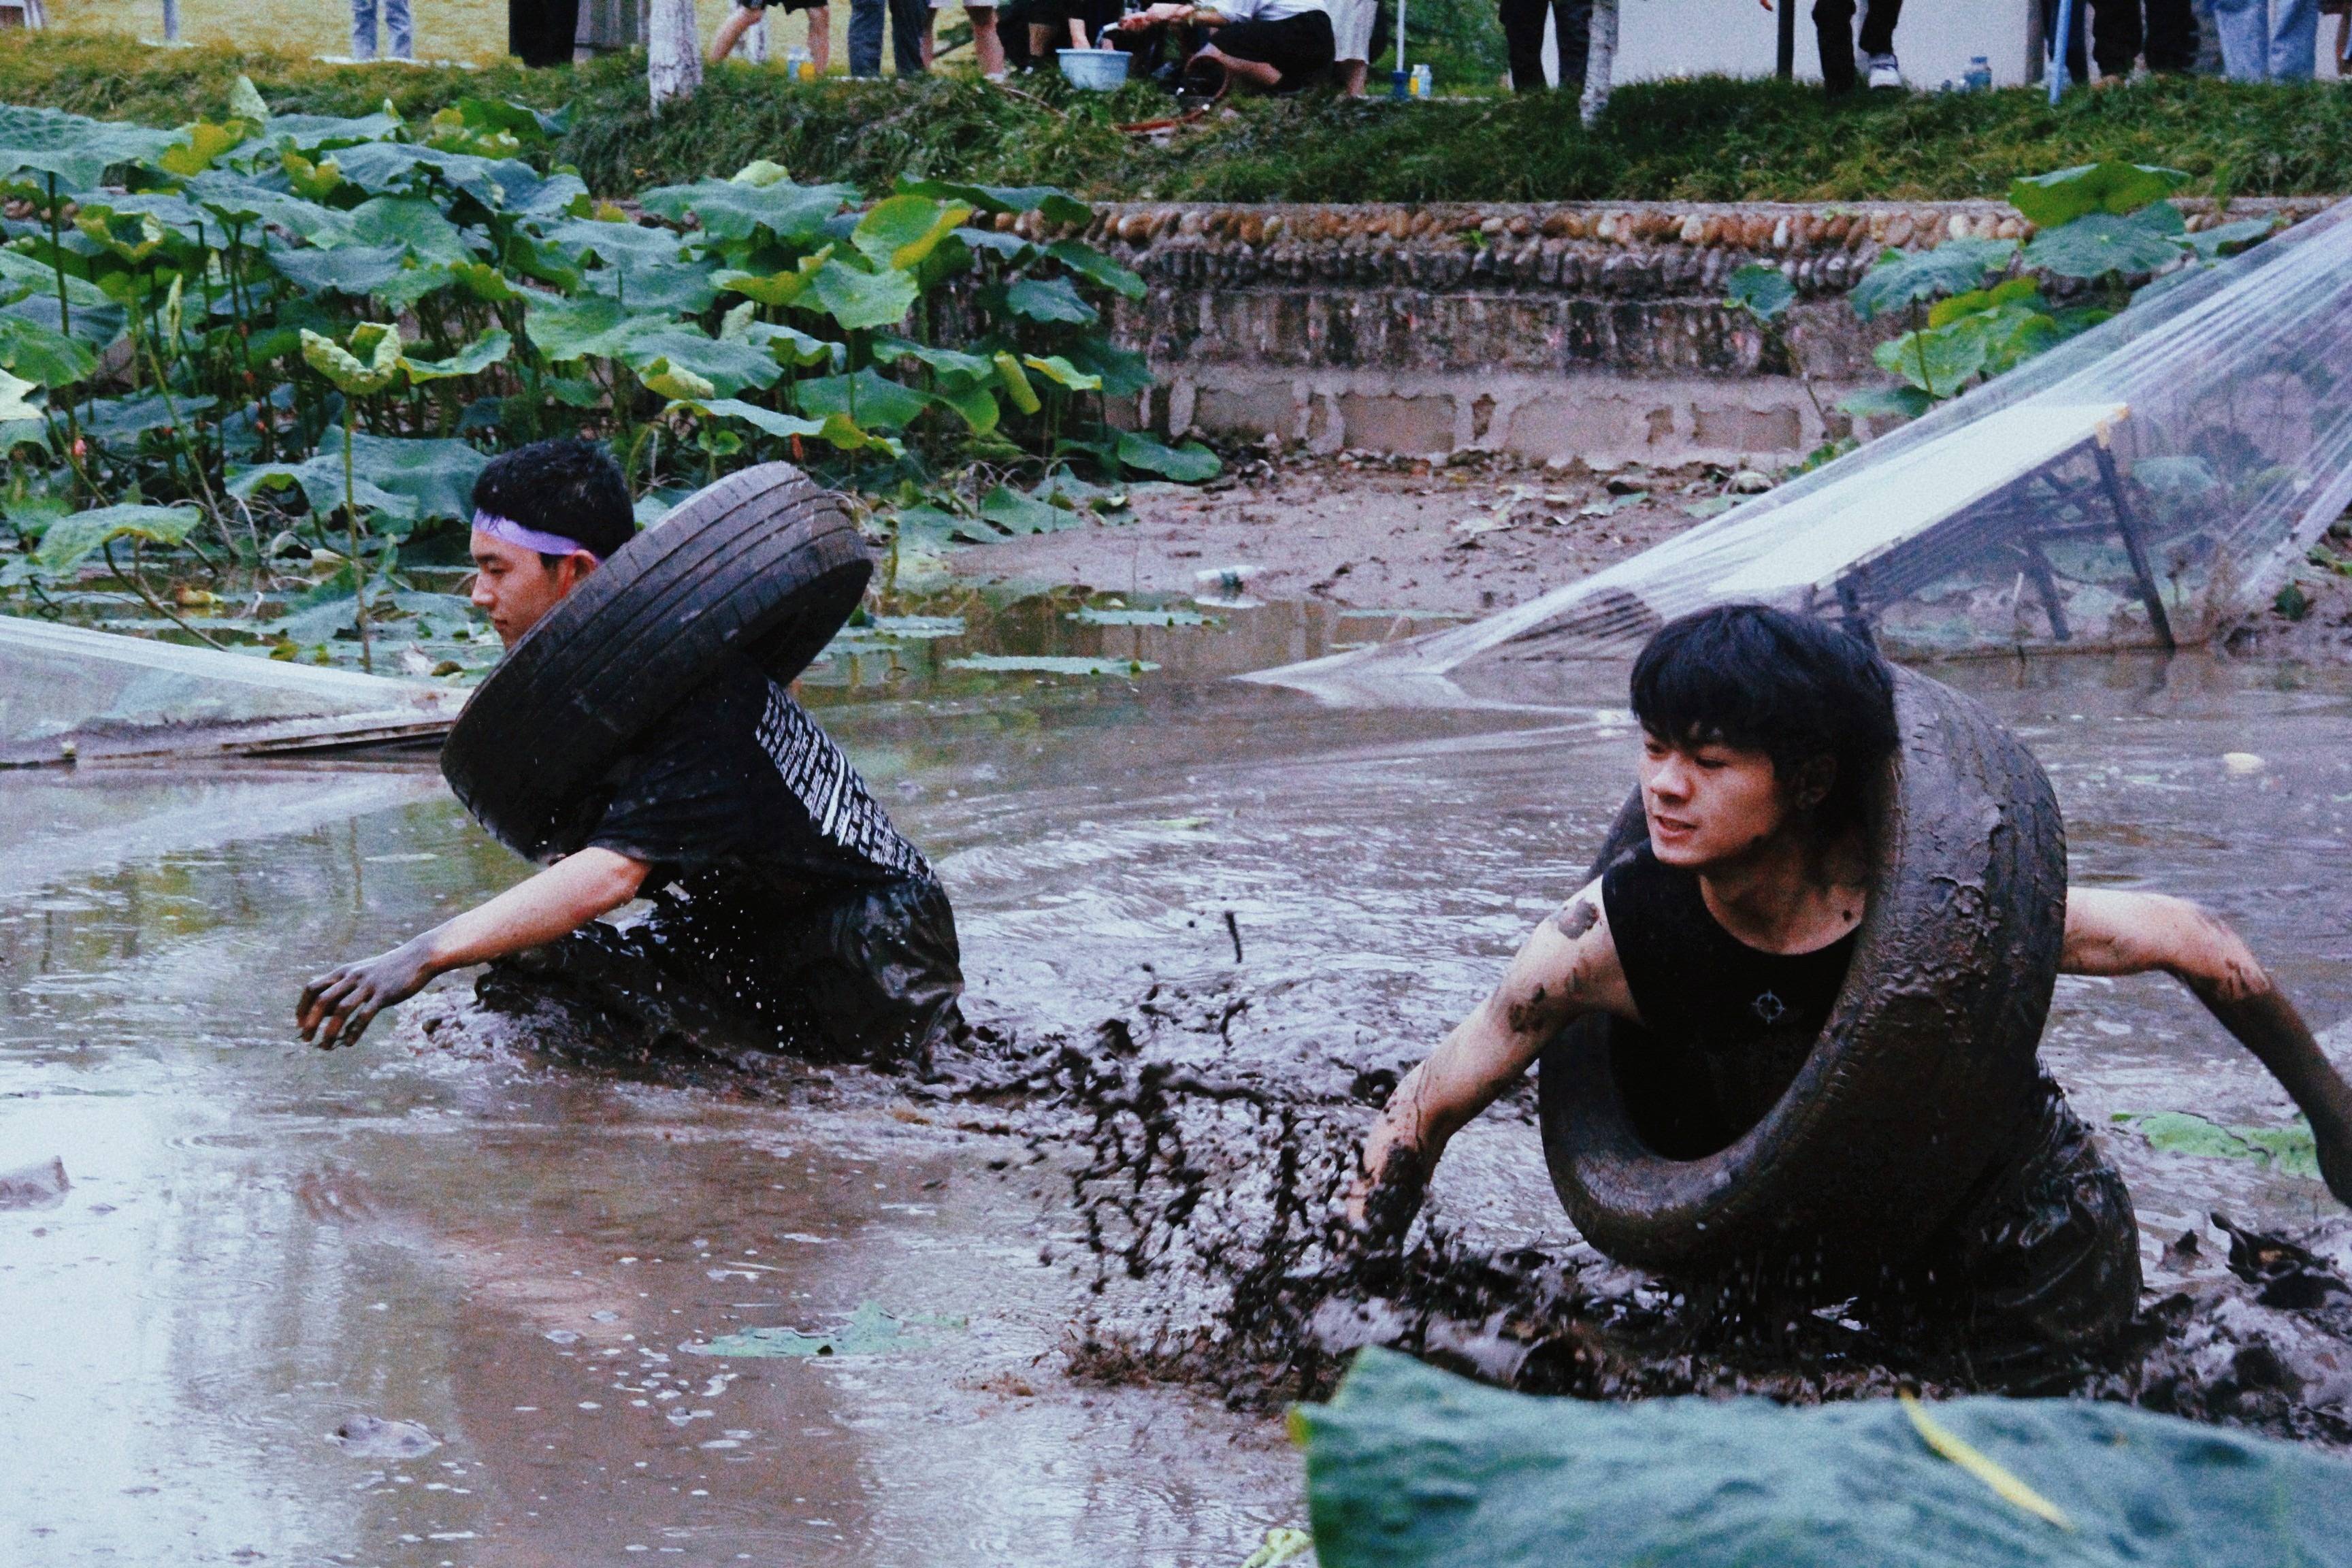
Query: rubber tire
764, 562
1928, 1062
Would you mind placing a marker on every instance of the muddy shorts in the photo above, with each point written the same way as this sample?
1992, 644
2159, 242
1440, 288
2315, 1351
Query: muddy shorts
2044, 1255
858, 974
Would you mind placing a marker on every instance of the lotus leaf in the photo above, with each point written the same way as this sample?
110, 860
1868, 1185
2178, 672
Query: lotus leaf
869, 397
1048, 300
728, 367
794, 214
13, 407
1191, 462
204, 142
904, 230
1055, 206
1408, 1467
2100, 243
1903, 278
74, 151
1095, 267
2050, 200
1763, 292
41, 354
350, 373
492, 348
71, 538
861, 300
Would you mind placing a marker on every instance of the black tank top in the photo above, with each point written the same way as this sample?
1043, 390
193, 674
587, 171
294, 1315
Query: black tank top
1729, 1024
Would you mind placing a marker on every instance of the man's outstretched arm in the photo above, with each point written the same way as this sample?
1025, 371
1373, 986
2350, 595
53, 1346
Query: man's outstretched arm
1569, 966
338, 1006
2110, 932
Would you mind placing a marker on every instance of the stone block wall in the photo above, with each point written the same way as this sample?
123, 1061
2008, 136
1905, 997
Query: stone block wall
1591, 330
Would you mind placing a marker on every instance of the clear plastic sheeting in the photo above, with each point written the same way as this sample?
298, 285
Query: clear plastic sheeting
2142, 485
67, 692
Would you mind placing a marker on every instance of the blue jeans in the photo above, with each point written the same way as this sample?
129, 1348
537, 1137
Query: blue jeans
397, 23
2277, 41
908, 20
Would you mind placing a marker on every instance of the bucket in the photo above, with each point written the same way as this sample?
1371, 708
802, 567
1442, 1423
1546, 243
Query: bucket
1094, 70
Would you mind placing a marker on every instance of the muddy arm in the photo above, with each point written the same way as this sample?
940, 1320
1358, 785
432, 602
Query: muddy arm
1569, 966
337, 1008
2132, 934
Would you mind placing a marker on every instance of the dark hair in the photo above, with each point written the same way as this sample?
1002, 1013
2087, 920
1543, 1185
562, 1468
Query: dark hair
567, 487
1763, 679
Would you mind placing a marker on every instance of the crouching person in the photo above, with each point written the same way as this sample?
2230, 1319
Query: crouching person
1271, 46
786, 911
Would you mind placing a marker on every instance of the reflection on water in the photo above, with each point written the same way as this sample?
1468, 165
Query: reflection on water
262, 1241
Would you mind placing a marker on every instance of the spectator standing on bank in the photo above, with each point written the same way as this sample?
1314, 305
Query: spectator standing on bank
748, 14
910, 21
986, 45
1523, 30
2268, 40
395, 23
2116, 32
1351, 41
1833, 30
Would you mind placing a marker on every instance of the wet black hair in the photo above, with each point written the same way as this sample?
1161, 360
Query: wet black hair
567, 487
1763, 679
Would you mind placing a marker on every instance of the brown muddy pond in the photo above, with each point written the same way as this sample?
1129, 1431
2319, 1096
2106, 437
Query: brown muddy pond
515, 1267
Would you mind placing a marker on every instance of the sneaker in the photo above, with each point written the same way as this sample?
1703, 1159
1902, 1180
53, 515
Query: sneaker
1884, 73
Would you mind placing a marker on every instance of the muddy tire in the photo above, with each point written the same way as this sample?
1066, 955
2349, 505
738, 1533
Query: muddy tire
764, 562
1927, 1063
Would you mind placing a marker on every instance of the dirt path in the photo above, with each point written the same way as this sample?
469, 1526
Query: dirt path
1470, 536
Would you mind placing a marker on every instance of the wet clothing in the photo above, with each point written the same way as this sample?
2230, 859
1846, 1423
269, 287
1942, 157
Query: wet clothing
2043, 1251
786, 908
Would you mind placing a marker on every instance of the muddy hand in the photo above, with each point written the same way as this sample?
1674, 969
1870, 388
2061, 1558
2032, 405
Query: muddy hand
337, 1008
2266, 1023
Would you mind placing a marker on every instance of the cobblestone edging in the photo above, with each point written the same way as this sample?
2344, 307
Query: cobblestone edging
1591, 328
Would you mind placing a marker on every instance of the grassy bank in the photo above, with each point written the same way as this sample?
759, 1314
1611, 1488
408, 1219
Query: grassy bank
1707, 140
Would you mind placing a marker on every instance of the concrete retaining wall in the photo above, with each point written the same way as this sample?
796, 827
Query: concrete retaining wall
1551, 331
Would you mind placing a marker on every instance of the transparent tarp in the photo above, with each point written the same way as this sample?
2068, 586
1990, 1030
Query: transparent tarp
67, 690
2144, 484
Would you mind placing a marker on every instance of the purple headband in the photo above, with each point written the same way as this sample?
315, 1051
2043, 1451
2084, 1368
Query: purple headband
527, 538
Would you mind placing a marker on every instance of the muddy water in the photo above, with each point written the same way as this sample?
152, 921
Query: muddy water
261, 1243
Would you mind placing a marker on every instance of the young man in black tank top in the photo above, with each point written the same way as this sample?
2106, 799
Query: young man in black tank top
1726, 939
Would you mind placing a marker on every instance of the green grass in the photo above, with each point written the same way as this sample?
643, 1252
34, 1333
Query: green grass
1708, 140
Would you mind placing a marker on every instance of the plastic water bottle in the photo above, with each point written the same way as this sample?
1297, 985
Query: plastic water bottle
1980, 74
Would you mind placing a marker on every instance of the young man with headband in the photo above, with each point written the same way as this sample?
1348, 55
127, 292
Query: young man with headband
787, 910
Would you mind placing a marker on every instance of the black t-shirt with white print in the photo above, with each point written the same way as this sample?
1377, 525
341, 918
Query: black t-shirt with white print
739, 785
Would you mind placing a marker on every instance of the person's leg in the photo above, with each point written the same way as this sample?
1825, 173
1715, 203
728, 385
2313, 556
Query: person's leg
820, 37
739, 22
865, 38
1256, 73
1878, 26
363, 30
2244, 29
403, 32
1573, 32
2171, 41
910, 27
986, 46
1523, 23
2294, 39
2115, 36
1833, 33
